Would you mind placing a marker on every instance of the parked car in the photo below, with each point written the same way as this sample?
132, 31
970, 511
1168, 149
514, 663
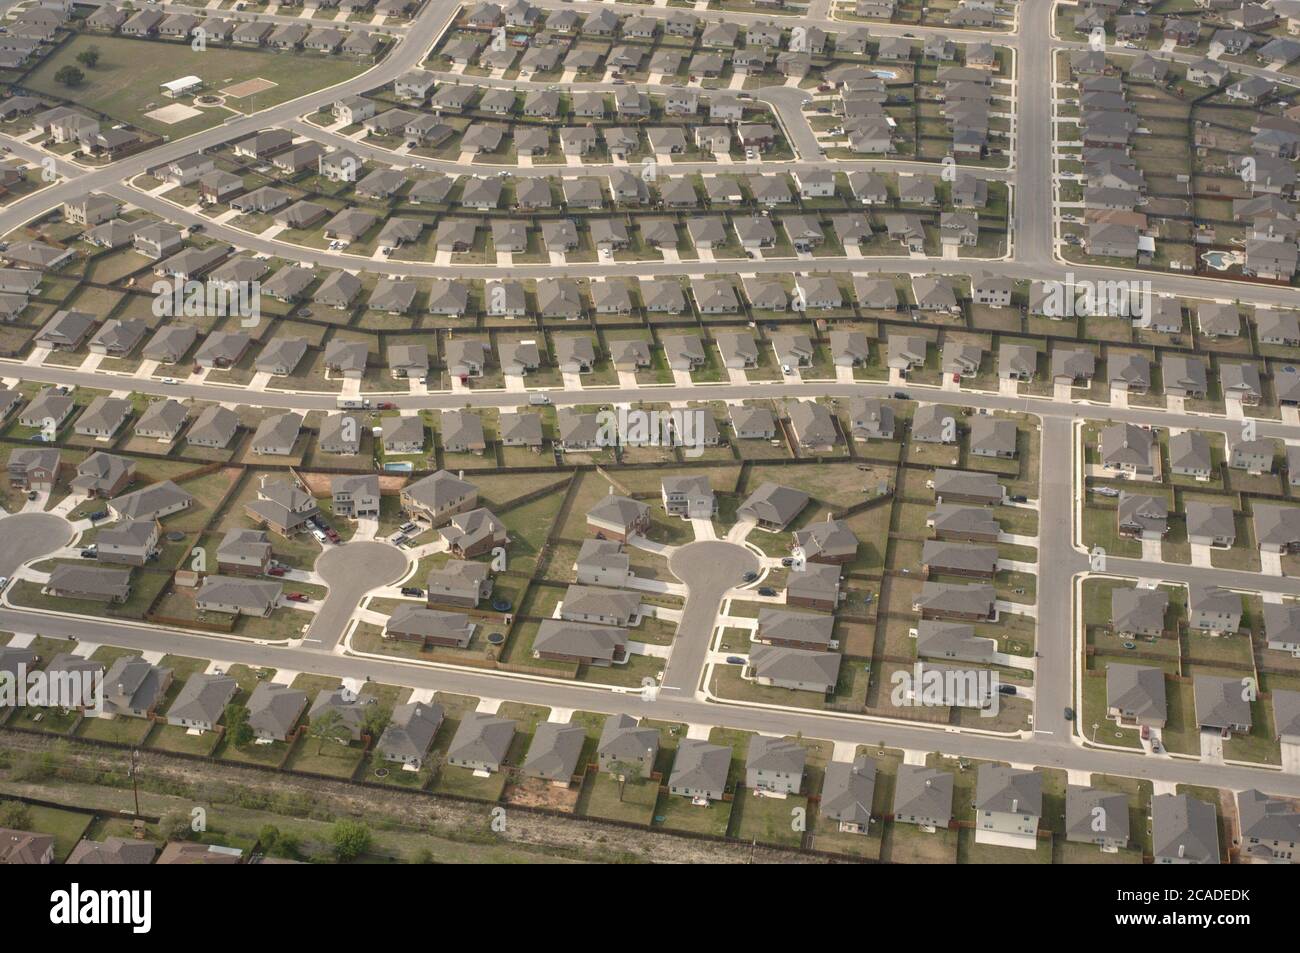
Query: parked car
902, 395
766, 591
1069, 714
735, 660
296, 597
333, 535
413, 591
749, 576
90, 552
385, 405
98, 515
276, 571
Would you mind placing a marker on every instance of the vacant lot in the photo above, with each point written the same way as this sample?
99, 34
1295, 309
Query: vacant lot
124, 83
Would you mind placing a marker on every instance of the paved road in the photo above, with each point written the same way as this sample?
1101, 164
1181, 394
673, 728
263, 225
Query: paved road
445, 400
708, 568
28, 536
669, 706
1055, 636
1032, 219
351, 571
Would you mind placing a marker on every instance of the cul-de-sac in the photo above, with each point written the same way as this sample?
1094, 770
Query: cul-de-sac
650, 431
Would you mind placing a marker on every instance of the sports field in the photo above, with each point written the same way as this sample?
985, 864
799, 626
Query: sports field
124, 83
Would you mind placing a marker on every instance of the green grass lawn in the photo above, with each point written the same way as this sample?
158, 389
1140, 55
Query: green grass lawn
125, 82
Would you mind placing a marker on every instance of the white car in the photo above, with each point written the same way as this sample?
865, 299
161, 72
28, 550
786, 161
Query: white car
170, 380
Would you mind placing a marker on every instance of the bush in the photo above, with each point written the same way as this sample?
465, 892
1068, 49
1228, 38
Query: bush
351, 840
69, 76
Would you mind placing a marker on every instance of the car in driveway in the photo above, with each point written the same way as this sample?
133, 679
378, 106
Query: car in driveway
501, 605
414, 591
98, 515
766, 591
276, 571
320, 537
735, 660
296, 597
90, 552
333, 535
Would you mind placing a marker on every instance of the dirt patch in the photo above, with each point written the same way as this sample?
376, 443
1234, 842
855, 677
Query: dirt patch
249, 87
535, 792
318, 484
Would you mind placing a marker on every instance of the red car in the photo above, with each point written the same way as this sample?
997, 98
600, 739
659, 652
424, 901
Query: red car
385, 405
296, 597
332, 535
276, 571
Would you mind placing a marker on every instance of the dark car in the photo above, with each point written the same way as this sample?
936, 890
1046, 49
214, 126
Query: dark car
1007, 689
787, 562
99, 515
767, 591
90, 553
902, 395
1019, 498
1069, 714
412, 591
735, 660
501, 605
32, 494
385, 405
750, 576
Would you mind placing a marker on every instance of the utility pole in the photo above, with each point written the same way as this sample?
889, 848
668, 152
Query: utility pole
134, 771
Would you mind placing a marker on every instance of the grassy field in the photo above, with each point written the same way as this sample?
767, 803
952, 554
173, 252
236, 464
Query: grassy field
125, 82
